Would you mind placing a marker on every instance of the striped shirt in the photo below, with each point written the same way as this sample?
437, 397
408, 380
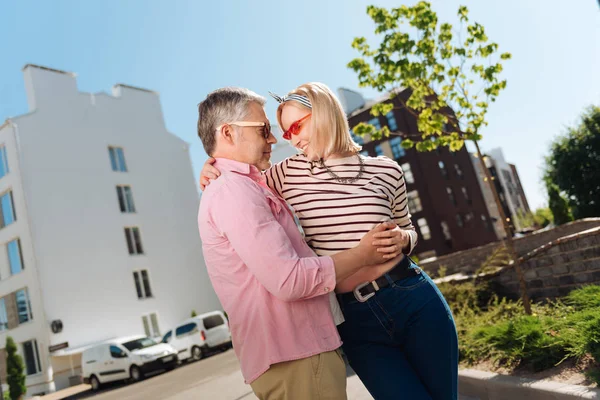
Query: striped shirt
335, 215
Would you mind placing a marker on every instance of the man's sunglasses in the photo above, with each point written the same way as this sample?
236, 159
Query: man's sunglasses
266, 132
294, 128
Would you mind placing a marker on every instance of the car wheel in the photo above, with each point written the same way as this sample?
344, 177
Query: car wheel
197, 353
95, 383
135, 373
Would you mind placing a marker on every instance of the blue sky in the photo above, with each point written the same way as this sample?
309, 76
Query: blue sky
185, 49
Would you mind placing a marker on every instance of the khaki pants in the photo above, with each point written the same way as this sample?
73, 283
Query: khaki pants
320, 377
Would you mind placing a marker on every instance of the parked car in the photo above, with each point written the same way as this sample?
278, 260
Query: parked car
196, 336
125, 358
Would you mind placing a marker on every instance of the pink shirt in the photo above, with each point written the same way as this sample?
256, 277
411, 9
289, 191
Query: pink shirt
271, 284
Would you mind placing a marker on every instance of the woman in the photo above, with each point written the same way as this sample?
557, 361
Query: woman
399, 334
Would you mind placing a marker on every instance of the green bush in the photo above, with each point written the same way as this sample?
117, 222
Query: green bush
496, 329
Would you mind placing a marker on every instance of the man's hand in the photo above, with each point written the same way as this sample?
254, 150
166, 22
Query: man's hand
392, 242
208, 173
374, 254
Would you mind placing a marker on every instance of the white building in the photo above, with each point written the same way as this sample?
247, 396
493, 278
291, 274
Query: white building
99, 231
488, 197
509, 188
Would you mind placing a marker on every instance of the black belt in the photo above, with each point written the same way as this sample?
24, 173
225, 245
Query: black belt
367, 290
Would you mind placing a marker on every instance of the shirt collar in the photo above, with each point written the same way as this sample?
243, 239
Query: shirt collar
225, 164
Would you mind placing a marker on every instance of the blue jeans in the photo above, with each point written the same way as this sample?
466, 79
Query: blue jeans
402, 342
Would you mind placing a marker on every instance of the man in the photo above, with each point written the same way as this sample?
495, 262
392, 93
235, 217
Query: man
272, 286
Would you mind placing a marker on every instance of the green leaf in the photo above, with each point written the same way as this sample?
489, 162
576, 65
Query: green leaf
407, 144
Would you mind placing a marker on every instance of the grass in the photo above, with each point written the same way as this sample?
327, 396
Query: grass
498, 330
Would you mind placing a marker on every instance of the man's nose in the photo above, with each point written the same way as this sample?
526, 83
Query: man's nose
271, 139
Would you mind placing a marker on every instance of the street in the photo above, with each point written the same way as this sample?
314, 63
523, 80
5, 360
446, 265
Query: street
217, 377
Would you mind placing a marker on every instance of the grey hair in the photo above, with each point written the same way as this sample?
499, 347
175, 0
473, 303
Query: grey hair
220, 107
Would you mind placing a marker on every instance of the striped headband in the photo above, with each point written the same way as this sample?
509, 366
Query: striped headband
292, 97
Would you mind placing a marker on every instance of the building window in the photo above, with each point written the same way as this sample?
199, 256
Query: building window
378, 150
392, 124
414, 202
443, 169
408, 175
486, 223
125, 199
451, 195
375, 123
23, 306
459, 221
31, 356
15, 256
446, 230
117, 159
3, 162
424, 228
3, 315
8, 210
150, 323
458, 171
469, 217
465, 193
397, 149
142, 284
134, 242
358, 139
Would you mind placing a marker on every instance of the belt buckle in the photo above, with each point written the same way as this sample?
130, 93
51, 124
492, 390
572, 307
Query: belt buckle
358, 296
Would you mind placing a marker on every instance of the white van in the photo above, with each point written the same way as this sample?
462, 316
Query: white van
194, 337
125, 358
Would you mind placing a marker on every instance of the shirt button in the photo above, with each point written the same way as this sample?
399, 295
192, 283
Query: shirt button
326, 289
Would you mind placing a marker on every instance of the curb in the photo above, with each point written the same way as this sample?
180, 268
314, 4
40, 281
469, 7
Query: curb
480, 385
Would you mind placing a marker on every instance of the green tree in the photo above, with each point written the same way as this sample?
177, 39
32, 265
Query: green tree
573, 168
194, 314
543, 217
15, 371
445, 76
558, 205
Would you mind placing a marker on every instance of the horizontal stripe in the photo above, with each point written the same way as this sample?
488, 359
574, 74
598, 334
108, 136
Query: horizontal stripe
336, 215
343, 215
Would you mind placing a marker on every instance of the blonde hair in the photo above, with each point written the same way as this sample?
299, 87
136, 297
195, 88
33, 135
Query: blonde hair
331, 134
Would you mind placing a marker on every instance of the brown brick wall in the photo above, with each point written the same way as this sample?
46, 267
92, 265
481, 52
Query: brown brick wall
470, 260
555, 269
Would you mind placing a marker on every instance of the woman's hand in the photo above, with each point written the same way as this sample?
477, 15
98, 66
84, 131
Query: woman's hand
392, 242
208, 173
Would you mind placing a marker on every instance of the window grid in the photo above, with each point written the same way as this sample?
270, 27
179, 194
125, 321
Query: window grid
8, 215
31, 357
414, 202
408, 175
125, 199
424, 228
392, 124
15, 256
23, 306
142, 284
3, 162
117, 159
397, 149
134, 241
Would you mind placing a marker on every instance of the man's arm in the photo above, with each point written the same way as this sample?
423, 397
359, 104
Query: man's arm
243, 215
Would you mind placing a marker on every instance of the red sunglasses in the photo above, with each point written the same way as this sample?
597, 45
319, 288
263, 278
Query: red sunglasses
294, 128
